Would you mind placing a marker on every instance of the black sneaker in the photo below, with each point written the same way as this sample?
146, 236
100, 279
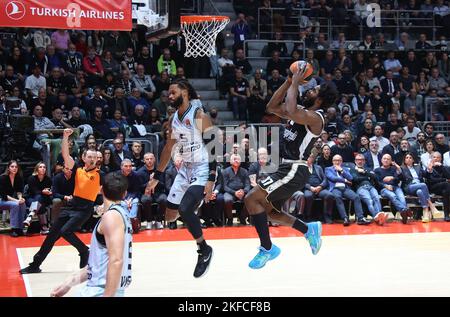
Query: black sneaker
84, 257
203, 262
173, 225
30, 269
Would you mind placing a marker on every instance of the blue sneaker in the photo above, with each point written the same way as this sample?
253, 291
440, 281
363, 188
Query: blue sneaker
314, 236
263, 256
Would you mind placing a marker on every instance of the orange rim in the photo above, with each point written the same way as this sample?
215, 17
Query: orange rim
190, 19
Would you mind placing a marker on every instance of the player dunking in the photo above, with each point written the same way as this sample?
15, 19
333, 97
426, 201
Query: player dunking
303, 129
197, 175
108, 272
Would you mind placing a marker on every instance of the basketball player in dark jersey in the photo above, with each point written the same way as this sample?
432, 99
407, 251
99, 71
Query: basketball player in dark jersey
305, 124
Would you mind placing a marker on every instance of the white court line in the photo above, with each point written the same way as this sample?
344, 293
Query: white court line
24, 276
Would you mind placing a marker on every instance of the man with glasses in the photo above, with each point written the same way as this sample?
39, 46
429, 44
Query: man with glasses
119, 153
364, 182
339, 182
441, 145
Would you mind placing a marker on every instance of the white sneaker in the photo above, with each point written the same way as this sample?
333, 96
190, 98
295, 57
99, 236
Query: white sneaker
159, 225
149, 225
27, 221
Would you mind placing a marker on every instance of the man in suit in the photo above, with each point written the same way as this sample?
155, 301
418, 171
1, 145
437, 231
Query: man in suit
317, 187
439, 181
119, 154
389, 85
364, 181
340, 180
373, 156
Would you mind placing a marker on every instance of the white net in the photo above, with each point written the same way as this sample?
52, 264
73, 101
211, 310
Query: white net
201, 35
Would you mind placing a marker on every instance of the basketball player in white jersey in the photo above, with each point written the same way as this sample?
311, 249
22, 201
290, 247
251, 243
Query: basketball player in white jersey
195, 179
108, 272
305, 124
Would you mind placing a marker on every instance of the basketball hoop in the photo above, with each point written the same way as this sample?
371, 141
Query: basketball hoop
200, 32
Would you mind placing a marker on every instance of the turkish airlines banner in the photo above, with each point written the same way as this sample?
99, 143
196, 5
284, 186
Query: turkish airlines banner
67, 14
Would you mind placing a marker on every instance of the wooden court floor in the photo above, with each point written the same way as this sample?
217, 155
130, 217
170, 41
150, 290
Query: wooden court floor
394, 260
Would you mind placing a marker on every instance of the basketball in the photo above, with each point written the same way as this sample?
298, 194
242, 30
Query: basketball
295, 66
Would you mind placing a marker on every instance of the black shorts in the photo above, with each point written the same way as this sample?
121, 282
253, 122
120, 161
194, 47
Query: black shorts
280, 186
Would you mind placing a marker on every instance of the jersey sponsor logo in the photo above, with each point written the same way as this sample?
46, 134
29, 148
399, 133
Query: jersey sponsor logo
289, 135
187, 122
125, 281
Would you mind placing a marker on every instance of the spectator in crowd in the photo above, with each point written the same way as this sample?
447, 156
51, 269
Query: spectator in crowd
274, 83
343, 149
128, 61
406, 81
405, 148
312, 60
117, 121
119, 154
110, 64
35, 82
441, 143
277, 45
100, 125
11, 197
166, 63
137, 159
63, 185
241, 31
422, 83
328, 65
427, 155
133, 195
413, 183
259, 82
446, 159
144, 83
411, 130
239, 92
316, 186
419, 145
325, 159
382, 141
428, 129
108, 164
438, 179
340, 180
359, 101
422, 43
416, 100
61, 40
392, 64
241, 62
389, 176
154, 215
236, 186
365, 183
162, 83
39, 196
117, 43
125, 83
389, 85
276, 63
258, 171
226, 71
73, 60
393, 147
146, 60
363, 144
437, 82
137, 99
162, 103
93, 67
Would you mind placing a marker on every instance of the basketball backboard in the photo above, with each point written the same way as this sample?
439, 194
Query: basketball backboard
161, 17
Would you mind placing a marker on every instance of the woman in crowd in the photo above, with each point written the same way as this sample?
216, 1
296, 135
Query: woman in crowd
363, 144
413, 183
426, 157
108, 164
39, 196
325, 160
11, 189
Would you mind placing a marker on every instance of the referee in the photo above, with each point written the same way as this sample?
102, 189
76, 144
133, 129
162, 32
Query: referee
87, 185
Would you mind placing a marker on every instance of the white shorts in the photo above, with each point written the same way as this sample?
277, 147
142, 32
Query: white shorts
95, 291
190, 174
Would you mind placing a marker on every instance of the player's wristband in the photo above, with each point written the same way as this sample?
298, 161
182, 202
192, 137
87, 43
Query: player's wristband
158, 176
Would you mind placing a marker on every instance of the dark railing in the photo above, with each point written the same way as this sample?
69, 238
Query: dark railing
390, 21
